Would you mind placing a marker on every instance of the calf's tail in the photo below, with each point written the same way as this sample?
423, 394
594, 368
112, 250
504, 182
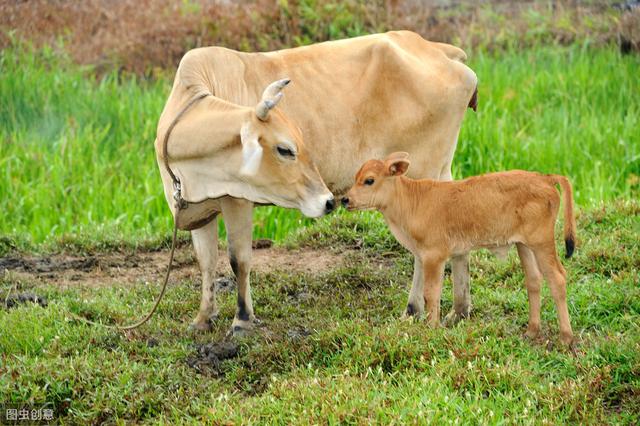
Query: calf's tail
569, 219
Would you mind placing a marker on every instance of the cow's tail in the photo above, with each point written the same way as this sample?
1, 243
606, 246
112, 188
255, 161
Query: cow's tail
569, 219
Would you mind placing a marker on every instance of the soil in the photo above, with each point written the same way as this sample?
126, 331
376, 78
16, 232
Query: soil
107, 269
208, 357
14, 300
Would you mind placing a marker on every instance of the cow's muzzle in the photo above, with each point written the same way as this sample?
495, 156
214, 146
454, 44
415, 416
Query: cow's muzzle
330, 205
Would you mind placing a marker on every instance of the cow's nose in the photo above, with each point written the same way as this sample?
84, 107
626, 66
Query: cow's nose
345, 201
330, 205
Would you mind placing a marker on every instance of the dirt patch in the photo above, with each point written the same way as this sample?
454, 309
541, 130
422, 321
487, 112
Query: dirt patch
208, 357
143, 267
15, 300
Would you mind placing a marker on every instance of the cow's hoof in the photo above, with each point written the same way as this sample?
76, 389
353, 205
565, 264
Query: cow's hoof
241, 328
453, 318
411, 313
201, 326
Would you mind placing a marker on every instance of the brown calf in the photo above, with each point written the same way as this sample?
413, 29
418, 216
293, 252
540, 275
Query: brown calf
436, 220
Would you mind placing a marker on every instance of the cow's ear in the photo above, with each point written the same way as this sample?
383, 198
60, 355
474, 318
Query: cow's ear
251, 152
398, 167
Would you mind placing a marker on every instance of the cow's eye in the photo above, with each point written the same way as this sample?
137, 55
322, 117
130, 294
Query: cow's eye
369, 181
286, 152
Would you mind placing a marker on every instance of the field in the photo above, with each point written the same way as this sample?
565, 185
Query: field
331, 347
78, 166
84, 227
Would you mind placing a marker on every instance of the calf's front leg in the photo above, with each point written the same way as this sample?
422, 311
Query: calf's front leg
238, 219
433, 269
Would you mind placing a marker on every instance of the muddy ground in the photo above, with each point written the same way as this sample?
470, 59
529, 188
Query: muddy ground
106, 269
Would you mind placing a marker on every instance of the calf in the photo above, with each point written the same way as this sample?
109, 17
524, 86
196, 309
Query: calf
436, 220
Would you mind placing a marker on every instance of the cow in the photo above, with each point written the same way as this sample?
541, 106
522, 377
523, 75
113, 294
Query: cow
354, 99
436, 220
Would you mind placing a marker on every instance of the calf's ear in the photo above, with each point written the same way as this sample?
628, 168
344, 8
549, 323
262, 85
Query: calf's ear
398, 167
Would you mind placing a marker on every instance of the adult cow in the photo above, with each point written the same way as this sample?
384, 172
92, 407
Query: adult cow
353, 100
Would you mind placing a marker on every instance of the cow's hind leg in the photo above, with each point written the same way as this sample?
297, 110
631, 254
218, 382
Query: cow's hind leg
238, 218
205, 243
533, 279
461, 289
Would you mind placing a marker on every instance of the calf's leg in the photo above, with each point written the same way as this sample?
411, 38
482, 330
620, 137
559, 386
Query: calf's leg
555, 275
238, 219
461, 290
205, 243
432, 271
533, 279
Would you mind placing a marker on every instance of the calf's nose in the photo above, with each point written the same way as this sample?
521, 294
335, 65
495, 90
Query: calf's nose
345, 201
330, 205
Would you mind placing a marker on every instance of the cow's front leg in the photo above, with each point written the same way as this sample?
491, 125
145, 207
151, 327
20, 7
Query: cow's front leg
238, 218
461, 289
205, 243
415, 305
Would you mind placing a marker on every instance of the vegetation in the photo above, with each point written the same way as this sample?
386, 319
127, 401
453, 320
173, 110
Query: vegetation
82, 85
78, 167
332, 349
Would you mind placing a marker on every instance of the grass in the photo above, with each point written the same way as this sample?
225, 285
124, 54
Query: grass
78, 171
339, 354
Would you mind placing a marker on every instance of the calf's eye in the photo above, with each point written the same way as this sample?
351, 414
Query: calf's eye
369, 181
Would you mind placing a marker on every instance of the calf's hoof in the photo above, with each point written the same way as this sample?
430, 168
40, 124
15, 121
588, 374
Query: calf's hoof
566, 338
532, 333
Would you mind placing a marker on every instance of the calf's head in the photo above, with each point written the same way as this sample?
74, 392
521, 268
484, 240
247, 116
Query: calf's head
275, 161
374, 182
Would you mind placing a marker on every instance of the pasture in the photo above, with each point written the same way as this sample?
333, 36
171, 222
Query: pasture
84, 225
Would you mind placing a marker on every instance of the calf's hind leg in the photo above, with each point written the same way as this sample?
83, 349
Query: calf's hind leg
555, 275
533, 279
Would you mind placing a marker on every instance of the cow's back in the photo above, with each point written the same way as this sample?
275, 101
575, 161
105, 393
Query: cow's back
353, 99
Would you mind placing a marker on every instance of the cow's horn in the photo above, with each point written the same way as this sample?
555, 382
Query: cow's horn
270, 98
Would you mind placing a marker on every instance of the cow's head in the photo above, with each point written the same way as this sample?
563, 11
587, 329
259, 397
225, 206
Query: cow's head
275, 161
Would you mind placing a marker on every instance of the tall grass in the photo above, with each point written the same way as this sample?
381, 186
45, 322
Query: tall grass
76, 152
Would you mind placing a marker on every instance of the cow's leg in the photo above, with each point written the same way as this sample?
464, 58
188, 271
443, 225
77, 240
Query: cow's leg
238, 218
205, 243
459, 273
461, 289
415, 305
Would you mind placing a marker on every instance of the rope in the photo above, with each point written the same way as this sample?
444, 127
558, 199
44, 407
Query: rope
180, 205
155, 305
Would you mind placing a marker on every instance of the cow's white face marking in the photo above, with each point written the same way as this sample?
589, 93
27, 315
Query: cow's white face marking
251, 151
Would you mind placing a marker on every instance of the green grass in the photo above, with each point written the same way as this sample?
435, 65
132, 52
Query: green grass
77, 166
358, 362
